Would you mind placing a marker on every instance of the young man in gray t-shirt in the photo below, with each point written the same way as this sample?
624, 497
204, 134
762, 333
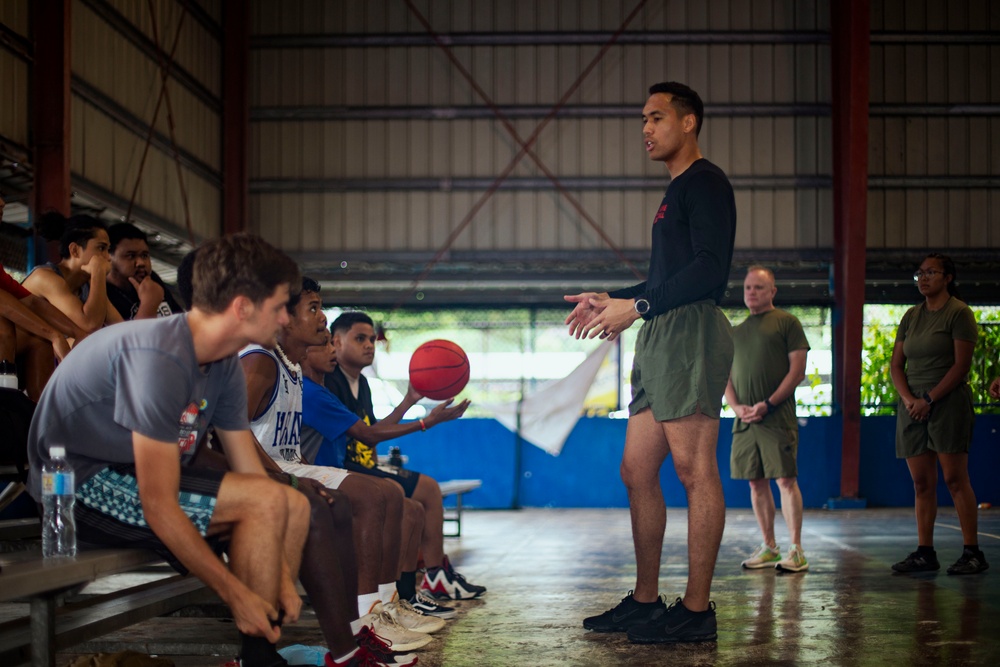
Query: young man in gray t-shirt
131, 408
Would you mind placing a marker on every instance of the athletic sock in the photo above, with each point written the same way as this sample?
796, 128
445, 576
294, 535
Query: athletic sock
926, 550
259, 652
366, 602
342, 660
974, 548
387, 592
406, 585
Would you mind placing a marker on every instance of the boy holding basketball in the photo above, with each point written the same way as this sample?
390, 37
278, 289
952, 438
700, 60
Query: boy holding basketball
682, 359
354, 340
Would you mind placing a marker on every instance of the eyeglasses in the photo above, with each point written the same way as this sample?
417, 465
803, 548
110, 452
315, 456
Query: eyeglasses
930, 273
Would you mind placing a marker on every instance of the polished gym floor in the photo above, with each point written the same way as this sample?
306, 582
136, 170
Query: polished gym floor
546, 569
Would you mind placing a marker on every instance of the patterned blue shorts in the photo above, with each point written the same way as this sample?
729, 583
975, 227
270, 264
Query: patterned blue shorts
109, 511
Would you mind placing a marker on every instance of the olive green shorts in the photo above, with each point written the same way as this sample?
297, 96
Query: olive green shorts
682, 362
764, 453
948, 430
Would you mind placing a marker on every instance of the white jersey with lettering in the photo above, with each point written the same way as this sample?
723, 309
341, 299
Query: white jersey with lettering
279, 426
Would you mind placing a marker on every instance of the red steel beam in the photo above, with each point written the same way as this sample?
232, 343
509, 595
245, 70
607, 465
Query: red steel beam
850, 56
235, 116
51, 95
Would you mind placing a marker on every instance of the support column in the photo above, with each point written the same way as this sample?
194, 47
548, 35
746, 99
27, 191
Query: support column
850, 59
235, 116
51, 100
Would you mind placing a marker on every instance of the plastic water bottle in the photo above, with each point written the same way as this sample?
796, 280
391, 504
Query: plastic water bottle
58, 489
8, 375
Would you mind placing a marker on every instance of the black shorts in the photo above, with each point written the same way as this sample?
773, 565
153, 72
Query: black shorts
405, 478
109, 513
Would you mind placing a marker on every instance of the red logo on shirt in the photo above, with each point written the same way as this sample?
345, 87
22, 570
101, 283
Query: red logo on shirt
662, 213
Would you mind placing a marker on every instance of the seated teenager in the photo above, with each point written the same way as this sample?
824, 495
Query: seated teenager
326, 425
354, 340
135, 291
274, 392
132, 406
83, 260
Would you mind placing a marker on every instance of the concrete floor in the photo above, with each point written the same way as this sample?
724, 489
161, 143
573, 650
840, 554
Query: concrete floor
547, 569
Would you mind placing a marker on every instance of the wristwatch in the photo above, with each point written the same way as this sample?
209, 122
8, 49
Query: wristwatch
641, 306
770, 405
927, 397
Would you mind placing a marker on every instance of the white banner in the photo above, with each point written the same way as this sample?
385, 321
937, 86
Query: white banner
549, 413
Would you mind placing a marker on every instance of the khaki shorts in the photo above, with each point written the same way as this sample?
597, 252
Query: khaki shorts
947, 431
764, 453
682, 362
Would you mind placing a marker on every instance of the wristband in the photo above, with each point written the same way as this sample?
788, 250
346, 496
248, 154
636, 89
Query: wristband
927, 397
770, 406
423, 425
293, 481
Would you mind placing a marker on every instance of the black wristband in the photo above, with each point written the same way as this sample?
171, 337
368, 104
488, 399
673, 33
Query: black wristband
769, 404
927, 397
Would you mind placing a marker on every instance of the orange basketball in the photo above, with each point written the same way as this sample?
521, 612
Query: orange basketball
439, 369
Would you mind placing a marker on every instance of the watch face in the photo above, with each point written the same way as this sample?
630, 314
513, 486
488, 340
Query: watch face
641, 306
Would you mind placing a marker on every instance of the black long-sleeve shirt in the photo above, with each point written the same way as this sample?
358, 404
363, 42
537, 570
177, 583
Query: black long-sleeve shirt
693, 236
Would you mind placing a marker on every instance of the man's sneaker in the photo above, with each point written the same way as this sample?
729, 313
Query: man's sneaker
762, 556
425, 603
404, 613
392, 633
445, 582
795, 561
677, 624
628, 613
361, 658
918, 562
381, 651
971, 562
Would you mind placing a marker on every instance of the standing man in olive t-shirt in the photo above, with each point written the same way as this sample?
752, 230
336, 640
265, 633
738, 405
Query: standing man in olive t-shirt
769, 362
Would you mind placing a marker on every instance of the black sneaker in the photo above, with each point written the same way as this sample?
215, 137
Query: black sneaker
627, 614
677, 624
971, 562
918, 562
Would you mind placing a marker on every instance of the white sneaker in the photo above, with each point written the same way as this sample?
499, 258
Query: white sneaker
411, 619
389, 629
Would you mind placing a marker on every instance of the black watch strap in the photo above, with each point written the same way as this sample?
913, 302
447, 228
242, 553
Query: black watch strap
769, 404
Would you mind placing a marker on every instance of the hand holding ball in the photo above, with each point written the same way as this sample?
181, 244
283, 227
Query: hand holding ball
439, 369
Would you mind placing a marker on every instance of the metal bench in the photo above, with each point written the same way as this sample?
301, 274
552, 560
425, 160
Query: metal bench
52, 625
457, 487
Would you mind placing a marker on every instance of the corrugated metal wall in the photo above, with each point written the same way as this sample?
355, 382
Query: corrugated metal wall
390, 157
935, 127
14, 73
116, 85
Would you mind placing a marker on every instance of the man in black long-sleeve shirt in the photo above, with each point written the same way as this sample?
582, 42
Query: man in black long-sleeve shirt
682, 359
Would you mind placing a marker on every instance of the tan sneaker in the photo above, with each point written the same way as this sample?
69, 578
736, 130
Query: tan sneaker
398, 637
762, 556
411, 619
794, 562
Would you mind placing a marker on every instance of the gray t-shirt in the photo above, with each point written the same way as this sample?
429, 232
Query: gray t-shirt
139, 376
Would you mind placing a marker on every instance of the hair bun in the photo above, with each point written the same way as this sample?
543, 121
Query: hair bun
51, 225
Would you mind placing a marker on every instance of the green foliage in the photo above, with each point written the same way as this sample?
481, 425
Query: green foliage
878, 395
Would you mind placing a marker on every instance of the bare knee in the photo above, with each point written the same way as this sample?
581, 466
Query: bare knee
759, 485
367, 502
923, 486
428, 492
788, 484
956, 481
636, 476
413, 512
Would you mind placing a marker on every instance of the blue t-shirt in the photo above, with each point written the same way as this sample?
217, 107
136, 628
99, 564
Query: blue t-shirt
325, 421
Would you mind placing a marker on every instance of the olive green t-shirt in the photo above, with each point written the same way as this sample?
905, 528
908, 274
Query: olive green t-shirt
762, 344
928, 340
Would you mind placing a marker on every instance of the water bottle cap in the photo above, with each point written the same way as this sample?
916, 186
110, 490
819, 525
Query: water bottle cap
57, 452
